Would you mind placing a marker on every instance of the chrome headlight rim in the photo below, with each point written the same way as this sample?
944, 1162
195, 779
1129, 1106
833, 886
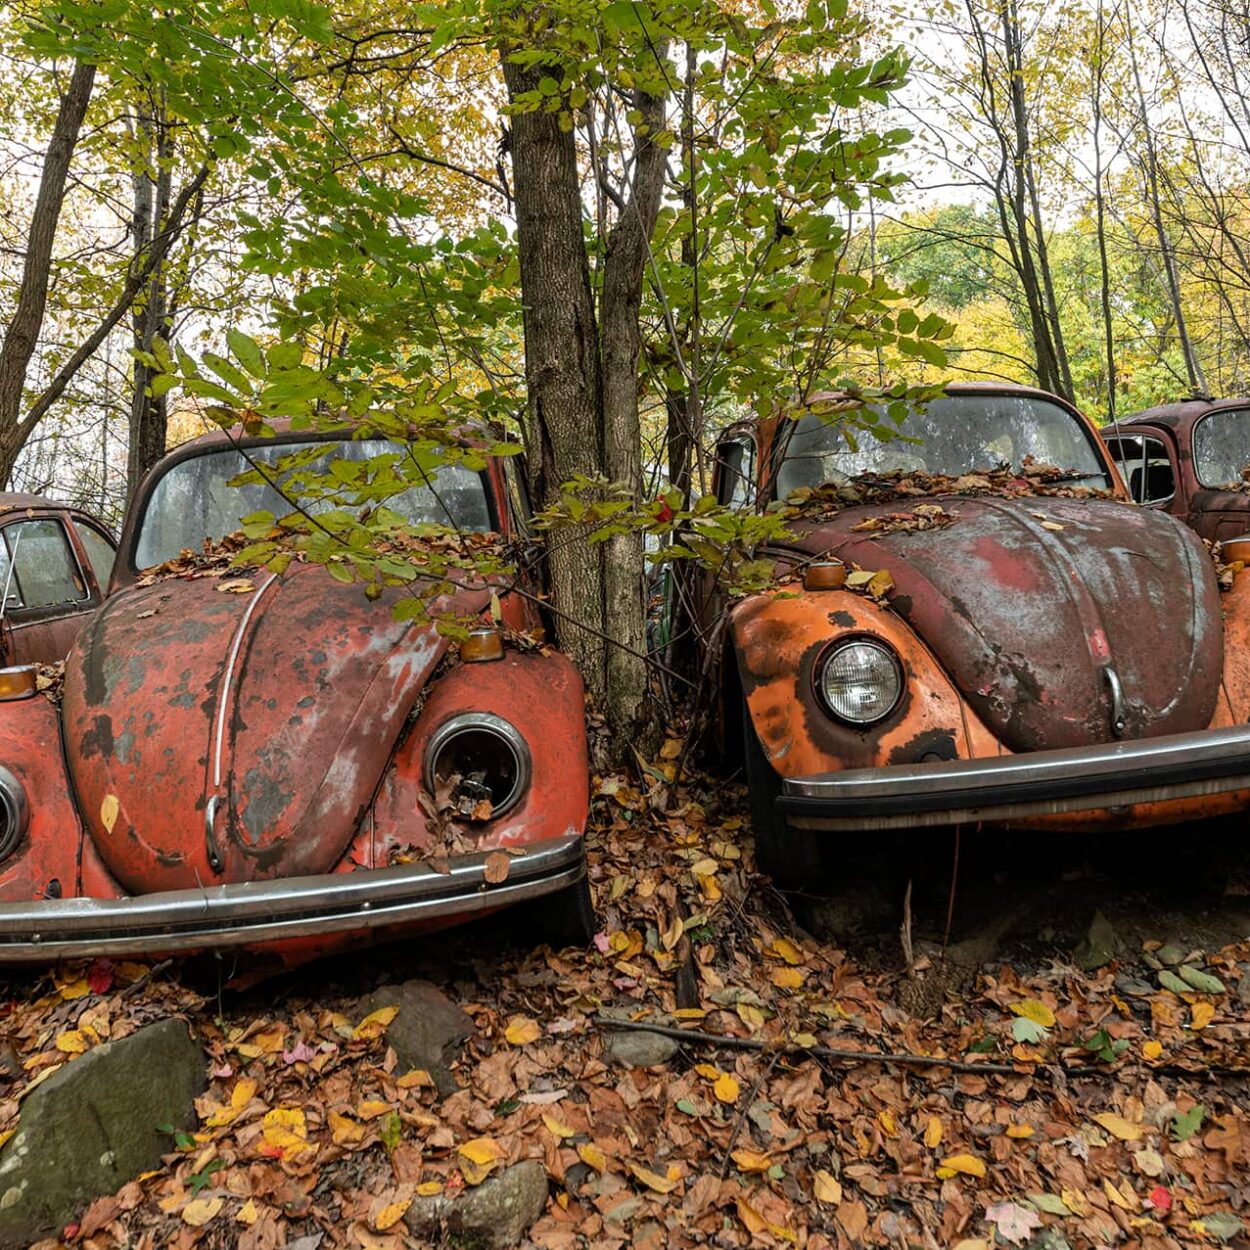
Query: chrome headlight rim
14, 813
502, 731
875, 643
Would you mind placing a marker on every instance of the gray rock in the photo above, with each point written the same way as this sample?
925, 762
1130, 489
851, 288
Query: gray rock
494, 1215
1101, 945
92, 1127
640, 1050
428, 1032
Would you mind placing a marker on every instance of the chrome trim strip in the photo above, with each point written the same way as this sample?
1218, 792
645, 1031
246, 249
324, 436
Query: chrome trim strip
254, 912
487, 722
223, 698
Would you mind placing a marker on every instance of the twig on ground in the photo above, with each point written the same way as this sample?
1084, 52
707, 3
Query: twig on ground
742, 1114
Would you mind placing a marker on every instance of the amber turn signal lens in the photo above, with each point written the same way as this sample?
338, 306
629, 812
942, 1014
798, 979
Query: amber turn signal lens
1235, 550
17, 683
482, 645
825, 576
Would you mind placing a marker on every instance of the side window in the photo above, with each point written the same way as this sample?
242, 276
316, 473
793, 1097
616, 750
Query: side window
41, 568
1146, 466
736, 473
99, 551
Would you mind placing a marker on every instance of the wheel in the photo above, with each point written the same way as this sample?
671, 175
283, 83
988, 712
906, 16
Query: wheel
791, 857
566, 918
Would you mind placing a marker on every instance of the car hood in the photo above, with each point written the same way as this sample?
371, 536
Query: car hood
1035, 606
235, 728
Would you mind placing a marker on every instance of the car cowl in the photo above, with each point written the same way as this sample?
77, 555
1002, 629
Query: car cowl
228, 729
1063, 622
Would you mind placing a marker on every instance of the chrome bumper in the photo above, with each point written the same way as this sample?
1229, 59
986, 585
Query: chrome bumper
256, 912
1013, 787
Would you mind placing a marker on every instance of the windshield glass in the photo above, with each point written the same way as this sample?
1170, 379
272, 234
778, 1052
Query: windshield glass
193, 501
958, 434
1222, 447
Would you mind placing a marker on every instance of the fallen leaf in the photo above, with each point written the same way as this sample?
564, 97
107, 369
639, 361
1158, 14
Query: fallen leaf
391, 1214
1013, 1222
72, 1042
726, 1088
592, 1157
555, 1127
961, 1164
1152, 1050
496, 867
522, 1030
1160, 1199
933, 1133
1035, 1010
478, 1158
199, 1211
285, 1130
752, 1161
109, 808
1202, 1015
661, 1184
826, 1188
1119, 1127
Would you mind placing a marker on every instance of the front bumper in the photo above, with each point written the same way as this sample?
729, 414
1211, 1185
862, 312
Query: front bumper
1010, 788
255, 913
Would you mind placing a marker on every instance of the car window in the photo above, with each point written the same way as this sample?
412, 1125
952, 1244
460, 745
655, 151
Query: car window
100, 551
193, 501
737, 470
1146, 467
1221, 443
954, 435
39, 566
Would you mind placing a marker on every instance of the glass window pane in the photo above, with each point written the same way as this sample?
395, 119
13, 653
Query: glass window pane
1222, 448
99, 551
44, 566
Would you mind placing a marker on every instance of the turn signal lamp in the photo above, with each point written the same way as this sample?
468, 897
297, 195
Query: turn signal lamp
828, 575
1236, 550
17, 683
482, 645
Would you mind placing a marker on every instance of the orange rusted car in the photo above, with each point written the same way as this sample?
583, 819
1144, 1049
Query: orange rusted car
273, 761
975, 627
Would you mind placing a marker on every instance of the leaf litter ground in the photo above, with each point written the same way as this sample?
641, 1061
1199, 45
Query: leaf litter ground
1112, 1110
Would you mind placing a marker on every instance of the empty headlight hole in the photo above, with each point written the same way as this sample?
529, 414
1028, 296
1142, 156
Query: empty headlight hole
477, 765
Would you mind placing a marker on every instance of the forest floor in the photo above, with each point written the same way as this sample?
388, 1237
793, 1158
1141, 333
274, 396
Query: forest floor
1090, 1004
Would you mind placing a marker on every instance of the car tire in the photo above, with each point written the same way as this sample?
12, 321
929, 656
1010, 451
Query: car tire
793, 858
566, 918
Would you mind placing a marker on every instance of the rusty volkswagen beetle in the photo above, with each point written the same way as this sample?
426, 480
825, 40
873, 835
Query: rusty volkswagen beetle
274, 761
974, 627
1191, 459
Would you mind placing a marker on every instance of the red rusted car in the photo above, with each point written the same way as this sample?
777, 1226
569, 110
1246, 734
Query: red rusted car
1191, 459
274, 761
55, 563
974, 627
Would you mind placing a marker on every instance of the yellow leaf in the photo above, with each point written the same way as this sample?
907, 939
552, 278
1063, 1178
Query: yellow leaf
1119, 1127
752, 1017
1203, 1014
784, 949
522, 1030
690, 1013
1038, 1012
964, 1164
972, 1243
592, 1157
889, 1126
752, 1161
371, 1108
556, 1128
671, 749
199, 1211
248, 1214
707, 1071
1152, 1050
1019, 1131
344, 1131
1126, 1201
725, 1088
933, 1133
109, 808
285, 1129
786, 978
1075, 1201
391, 1214
374, 1024
418, 1078
478, 1157
754, 1221
427, 1189
826, 1188
661, 1184
8, 1132
71, 989
72, 1042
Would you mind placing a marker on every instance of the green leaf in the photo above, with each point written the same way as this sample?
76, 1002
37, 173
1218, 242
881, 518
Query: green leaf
1201, 981
248, 352
1186, 1125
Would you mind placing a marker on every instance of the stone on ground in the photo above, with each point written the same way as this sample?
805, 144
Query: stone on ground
428, 1032
640, 1050
494, 1215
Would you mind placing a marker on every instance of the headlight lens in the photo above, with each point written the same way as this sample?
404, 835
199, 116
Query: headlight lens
861, 681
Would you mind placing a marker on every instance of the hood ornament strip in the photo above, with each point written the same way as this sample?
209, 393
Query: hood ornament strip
1118, 720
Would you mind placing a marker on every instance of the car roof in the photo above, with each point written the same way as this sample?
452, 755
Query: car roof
18, 501
1183, 412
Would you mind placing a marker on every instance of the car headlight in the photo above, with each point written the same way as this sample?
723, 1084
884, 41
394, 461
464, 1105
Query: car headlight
14, 813
478, 764
860, 681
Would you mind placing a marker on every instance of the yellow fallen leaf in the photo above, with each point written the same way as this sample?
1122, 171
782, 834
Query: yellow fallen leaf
690, 1013
725, 1088
784, 949
707, 1071
972, 1243
1125, 1199
752, 1161
786, 978
1032, 1009
418, 1078
1019, 1131
199, 1211
1075, 1201
1152, 1050
652, 1180
671, 749
752, 1017
889, 1126
826, 1188
522, 1030
72, 1042
1203, 1014
592, 1157
933, 1133
284, 1128
374, 1024
556, 1128
755, 1223
478, 1158
109, 808
344, 1131
1119, 1127
248, 1213
8, 1132
961, 1164
391, 1214
73, 988
371, 1108
427, 1189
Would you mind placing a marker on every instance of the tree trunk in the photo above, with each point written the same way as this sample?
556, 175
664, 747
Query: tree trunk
23, 331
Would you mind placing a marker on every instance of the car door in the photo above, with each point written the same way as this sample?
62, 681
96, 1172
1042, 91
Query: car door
1146, 458
48, 587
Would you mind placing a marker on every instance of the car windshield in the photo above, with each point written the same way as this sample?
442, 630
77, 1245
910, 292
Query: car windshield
1222, 447
955, 435
194, 501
